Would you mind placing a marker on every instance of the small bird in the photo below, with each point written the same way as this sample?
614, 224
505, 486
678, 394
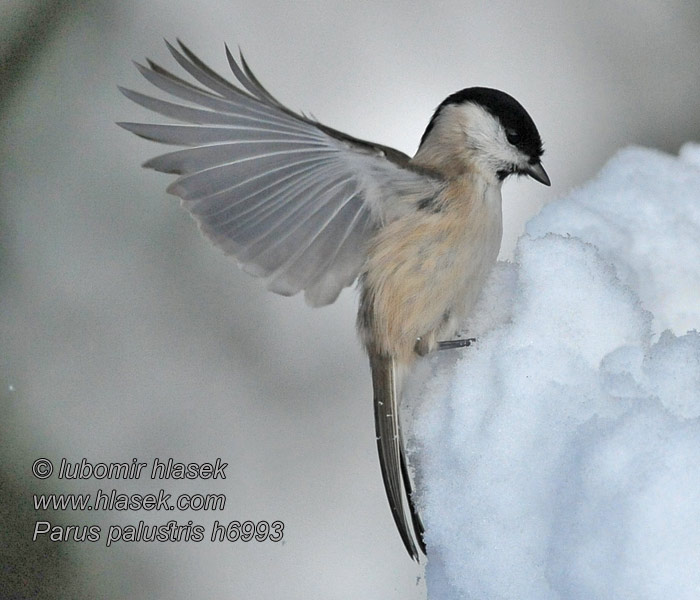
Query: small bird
310, 208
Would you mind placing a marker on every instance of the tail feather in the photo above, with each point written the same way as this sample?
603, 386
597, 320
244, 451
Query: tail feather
415, 516
392, 458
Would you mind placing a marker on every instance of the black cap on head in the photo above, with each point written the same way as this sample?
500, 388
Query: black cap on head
519, 126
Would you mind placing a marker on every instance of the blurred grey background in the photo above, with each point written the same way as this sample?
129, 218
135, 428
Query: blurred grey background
124, 334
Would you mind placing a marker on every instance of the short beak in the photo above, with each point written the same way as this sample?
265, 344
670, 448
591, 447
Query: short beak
538, 173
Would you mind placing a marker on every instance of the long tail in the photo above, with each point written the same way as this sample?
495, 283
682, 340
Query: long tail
392, 457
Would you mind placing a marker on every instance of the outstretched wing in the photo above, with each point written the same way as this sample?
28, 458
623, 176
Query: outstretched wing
293, 200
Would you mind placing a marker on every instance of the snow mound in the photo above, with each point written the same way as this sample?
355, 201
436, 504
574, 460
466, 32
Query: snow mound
559, 458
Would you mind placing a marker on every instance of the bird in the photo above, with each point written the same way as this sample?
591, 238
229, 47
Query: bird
310, 208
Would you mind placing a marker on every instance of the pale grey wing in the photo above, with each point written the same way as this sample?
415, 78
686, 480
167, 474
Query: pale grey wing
293, 200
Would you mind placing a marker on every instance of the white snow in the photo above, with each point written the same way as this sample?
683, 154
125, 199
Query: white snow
559, 458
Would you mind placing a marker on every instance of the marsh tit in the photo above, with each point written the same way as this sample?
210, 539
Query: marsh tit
310, 208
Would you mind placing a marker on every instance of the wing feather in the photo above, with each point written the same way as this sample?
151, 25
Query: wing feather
245, 106
293, 200
203, 157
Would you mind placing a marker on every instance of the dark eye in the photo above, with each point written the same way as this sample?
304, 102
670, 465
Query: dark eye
513, 136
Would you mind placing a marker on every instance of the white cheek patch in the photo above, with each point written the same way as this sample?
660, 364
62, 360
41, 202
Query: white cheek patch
487, 138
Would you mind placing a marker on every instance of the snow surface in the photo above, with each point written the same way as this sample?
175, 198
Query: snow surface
559, 458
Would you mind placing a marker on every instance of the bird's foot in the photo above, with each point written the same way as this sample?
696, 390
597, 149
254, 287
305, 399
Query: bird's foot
450, 344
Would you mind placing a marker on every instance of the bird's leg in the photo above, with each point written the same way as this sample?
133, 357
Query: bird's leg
450, 344
424, 346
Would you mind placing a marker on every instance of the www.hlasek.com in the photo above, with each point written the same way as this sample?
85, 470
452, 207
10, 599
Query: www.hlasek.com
113, 500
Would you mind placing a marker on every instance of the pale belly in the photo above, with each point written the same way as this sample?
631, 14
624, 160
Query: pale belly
426, 272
